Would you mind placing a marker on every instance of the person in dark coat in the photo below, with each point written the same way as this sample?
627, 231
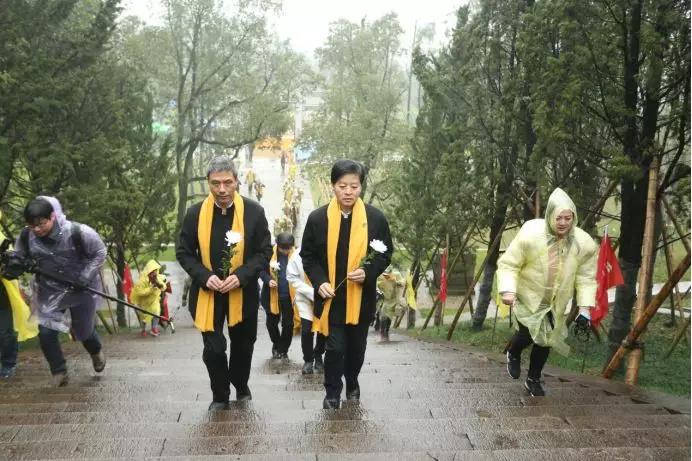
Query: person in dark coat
346, 245
278, 295
224, 243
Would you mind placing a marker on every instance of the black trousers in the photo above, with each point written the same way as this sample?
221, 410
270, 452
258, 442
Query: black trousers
236, 369
8, 338
50, 345
539, 354
345, 353
307, 339
281, 340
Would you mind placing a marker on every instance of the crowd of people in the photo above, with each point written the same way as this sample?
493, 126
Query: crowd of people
327, 289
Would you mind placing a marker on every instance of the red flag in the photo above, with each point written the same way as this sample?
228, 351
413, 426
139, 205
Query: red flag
127, 282
608, 275
443, 278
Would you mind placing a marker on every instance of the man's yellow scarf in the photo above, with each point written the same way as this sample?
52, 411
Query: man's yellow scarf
357, 249
204, 315
274, 292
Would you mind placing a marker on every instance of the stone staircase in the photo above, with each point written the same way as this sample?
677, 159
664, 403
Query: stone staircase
420, 400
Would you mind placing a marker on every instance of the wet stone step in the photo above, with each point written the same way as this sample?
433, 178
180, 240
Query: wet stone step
593, 411
116, 448
578, 438
325, 443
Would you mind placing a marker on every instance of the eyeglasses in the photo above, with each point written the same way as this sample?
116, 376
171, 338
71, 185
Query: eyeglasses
43, 222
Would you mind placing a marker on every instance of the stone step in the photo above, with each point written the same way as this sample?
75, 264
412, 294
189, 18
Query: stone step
509, 389
366, 444
96, 431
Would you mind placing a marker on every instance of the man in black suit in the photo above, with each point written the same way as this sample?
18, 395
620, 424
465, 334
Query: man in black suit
340, 259
224, 277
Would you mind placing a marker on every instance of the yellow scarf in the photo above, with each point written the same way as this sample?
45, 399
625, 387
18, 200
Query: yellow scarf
204, 315
274, 292
357, 249
23, 323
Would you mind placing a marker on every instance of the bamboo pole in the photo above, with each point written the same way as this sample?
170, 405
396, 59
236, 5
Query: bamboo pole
479, 274
683, 329
451, 267
646, 317
440, 312
591, 216
437, 301
108, 302
411, 323
675, 298
678, 228
646, 268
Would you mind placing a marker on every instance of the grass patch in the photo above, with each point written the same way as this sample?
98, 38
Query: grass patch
671, 375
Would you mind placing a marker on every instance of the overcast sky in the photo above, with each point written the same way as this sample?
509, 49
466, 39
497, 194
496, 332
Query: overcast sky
306, 22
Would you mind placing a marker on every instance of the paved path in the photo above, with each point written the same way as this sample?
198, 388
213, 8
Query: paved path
420, 401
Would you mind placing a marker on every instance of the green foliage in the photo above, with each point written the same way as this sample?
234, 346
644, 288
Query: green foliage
76, 123
362, 86
670, 375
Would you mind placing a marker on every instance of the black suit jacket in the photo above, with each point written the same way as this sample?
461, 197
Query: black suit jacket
314, 254
258, 251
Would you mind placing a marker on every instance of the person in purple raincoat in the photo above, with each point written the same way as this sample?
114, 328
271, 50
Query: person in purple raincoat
74, 252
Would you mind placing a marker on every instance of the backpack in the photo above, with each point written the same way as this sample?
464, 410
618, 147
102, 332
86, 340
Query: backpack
76, 240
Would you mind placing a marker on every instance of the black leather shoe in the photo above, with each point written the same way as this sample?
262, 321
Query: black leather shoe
319, 365
534, 387
513, 365
354, 394
243, 394
307, 368
217, 406
331, 404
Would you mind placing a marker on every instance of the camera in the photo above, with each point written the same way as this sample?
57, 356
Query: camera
12, 265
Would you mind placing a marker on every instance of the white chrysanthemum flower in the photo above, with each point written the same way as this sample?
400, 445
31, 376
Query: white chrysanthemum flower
378, 245
275, 265
233, 238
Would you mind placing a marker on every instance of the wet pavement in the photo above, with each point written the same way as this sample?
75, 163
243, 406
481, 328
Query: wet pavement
420, 401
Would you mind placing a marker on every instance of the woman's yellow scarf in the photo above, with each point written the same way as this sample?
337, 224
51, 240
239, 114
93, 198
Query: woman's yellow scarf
274, 292
204, 315
357, 249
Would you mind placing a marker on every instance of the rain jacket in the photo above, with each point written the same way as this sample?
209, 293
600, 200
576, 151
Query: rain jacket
58, 305
524, 269
23, 323
392, 286
146, 295
305, 293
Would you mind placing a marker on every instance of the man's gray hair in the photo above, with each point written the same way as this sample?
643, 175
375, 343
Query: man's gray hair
221, 163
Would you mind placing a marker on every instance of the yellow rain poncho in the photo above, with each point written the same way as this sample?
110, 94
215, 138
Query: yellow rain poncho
542, 286
25, 325
392, 285
146, 295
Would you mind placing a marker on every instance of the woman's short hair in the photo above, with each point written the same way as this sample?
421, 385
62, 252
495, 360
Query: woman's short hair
343, 167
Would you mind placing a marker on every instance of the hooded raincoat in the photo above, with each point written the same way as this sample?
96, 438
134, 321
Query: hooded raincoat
392, 286
23, 323
145, 294
59, 306
543, 284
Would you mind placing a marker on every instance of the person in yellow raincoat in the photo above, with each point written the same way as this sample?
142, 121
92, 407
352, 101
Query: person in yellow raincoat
15, 323
391, 283
250, 177
147, 294
537, 275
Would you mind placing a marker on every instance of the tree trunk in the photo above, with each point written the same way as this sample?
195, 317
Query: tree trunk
485, 290
633, 194
120, 268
